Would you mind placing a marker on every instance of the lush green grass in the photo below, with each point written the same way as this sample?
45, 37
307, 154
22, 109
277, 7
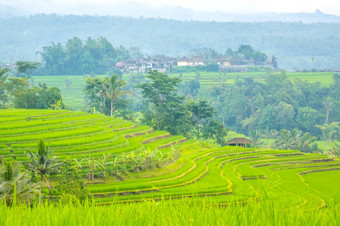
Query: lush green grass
175, 212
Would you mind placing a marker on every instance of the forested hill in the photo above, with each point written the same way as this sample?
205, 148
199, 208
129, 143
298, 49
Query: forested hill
294, 44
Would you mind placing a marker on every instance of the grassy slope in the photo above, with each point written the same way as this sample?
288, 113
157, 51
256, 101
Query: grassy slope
223, 175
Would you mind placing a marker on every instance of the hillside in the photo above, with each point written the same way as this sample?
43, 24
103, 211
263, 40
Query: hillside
294, 44
227, 174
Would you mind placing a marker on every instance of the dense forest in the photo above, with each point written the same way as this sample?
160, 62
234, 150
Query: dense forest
78, 57
294, 44
277, 103
269, 106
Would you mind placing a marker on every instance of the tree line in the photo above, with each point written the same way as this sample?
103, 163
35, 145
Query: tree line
276, 104
20, 92
79, 57
161, 106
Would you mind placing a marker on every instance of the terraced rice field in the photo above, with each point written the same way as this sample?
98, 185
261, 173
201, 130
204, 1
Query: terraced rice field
224, 175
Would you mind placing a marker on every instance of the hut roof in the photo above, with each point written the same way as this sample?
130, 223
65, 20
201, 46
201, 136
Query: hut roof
239, 140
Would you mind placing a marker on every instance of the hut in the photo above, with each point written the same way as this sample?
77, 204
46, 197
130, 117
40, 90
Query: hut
240, 141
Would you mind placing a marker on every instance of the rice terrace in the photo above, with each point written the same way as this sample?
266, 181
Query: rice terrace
142, 112
227, 179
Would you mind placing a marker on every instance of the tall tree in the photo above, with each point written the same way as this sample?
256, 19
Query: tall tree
113, 90
200, 110
162, 101
3, 78
328, 103
42, 164
106, 94
25, 67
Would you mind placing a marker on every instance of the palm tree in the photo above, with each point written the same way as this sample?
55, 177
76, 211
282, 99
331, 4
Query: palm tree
42, 164
288, 140
113, 90
14, 185
305, 142
334, 152
329, 131
255, 137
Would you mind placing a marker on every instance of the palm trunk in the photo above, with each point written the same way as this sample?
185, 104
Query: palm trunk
3, 103
198, 126
90, 171
111, 107
328, 111
40, 195
93, 169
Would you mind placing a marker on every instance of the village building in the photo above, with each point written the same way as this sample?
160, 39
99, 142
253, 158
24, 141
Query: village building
164, 64
240, 141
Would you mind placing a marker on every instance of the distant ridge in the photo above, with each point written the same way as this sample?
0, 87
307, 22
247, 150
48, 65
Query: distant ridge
177, 13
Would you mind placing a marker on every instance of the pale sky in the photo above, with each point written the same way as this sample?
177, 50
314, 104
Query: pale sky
106, 7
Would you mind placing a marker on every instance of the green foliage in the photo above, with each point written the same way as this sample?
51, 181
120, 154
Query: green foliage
70, 185
42, 164
81, 57
40, 97
214, 130
16, 186
330, 131
273, 101
25, 68
3, 78
296, 140
164, 109
106, 94
113, 91
37, 98
201, 112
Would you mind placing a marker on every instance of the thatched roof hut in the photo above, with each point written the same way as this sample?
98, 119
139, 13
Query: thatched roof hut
240, 141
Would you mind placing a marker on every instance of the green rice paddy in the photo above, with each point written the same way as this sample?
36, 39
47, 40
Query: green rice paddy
204, 174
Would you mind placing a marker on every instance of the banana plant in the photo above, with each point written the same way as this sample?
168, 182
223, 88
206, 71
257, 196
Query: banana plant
104, 163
